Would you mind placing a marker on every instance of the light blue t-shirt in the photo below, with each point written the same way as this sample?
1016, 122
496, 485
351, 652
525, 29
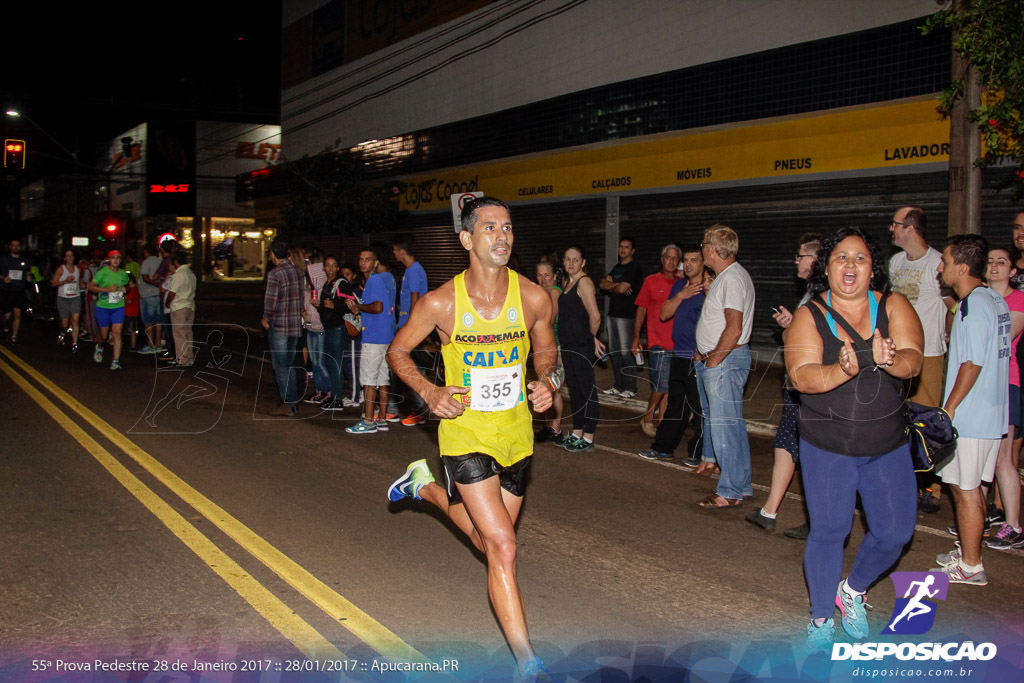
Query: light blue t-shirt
414, 280
379, 328
981, 335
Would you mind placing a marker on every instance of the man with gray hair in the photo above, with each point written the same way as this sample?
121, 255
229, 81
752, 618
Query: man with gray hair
653, 294
723, 365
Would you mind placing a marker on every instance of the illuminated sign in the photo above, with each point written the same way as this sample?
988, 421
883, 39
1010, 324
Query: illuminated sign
267, 151
155, 189
876, 138
166, 236
79, 241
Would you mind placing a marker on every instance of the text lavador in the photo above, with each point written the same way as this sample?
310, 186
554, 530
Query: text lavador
947, 652
917, 151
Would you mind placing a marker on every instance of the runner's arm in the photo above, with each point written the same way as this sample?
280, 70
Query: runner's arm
434, 310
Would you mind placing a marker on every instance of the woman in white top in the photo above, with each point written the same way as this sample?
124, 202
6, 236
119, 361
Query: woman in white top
67, 280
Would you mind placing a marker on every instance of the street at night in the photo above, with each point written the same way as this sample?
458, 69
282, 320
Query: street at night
159, 514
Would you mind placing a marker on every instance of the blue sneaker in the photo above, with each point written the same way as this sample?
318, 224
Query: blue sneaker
534, 670
855, 619
416, 476
820, 638
651, 454
362, 427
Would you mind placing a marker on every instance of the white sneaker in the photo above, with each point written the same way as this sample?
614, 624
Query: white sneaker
612, 392
957, 574
627, 394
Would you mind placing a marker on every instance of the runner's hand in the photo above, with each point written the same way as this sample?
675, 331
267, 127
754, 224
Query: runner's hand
540, 396
442, 401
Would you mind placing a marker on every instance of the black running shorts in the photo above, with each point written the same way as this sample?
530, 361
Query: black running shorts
476, 467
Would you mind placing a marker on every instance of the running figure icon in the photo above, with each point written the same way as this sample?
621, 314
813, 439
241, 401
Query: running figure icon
916, 606
914, 613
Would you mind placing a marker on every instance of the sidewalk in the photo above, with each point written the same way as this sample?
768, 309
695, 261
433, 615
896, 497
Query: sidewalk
762, 396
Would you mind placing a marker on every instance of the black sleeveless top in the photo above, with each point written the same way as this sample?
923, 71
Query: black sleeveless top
573, 320
864, 416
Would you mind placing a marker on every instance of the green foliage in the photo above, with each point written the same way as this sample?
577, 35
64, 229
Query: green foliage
989, 34
331, 193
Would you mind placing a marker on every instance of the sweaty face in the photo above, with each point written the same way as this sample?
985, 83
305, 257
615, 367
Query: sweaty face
491, 239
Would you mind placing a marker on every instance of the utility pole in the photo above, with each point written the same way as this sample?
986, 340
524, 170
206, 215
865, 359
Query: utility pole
964, 149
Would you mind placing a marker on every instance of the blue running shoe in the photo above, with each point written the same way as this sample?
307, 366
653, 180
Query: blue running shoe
820, 638
855, 619
362, 427
534, 670
416, 476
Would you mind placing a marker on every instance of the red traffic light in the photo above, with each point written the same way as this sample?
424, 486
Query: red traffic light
111, 228
14, 154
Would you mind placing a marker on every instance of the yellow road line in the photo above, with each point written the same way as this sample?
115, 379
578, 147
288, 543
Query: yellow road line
280, 616
361, 624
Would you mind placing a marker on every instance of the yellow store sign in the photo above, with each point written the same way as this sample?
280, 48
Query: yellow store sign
871, 138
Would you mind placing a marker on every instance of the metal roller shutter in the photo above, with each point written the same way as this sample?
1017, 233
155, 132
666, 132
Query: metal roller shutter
770, 219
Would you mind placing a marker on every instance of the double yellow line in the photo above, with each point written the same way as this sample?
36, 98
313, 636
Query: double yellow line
308, 641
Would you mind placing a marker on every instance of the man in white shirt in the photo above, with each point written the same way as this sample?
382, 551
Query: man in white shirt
913, 274
181, 300
723, 365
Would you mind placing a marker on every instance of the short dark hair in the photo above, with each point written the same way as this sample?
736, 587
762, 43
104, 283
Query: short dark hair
879, 266
375, 250
915, 217
691, 247
810, 238
180, 258
630, 239
405, 242
280, 248
969, 250
468, 217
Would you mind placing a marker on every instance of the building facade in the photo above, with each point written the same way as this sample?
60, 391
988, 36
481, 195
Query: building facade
597, 119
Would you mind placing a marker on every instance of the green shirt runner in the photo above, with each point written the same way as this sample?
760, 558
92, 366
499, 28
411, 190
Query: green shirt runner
105, 278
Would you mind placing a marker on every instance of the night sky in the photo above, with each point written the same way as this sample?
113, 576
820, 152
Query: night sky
86, 72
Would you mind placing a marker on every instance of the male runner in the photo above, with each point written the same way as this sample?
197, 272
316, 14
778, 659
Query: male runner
486, 317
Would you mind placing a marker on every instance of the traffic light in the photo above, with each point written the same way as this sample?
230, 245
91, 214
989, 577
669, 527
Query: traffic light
110, 230
14, 154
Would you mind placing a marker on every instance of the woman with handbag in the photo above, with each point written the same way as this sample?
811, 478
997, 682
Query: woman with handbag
847, 352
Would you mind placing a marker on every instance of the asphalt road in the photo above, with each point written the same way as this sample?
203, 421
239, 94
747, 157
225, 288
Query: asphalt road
155, 515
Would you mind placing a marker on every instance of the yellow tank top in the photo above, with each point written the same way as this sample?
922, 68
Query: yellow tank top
489, 356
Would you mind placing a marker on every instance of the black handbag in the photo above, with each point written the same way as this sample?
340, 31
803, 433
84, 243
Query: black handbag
932, 437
